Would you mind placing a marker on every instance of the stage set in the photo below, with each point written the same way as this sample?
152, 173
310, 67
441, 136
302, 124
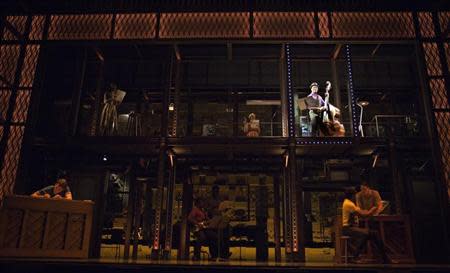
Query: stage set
224, 135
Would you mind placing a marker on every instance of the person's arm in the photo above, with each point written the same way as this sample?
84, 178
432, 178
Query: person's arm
365, 213
68, 195
41, 193
358, 199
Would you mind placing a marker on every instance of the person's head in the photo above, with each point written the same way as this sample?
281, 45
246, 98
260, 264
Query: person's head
60, 185
364, 187
252, 116
314, 87
349, 192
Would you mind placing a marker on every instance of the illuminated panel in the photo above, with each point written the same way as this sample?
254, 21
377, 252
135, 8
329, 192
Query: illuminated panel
426, 25
135, 26
438, 94
204, 25
22, 105
9, 55
324, 30
283, 25
29, 66
372, 25
80, 27
443, 128
11, 160
4, 102
444, 21
18, 22
434, 66
37, 27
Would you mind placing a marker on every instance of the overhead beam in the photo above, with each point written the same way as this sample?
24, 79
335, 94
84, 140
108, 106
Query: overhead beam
336, 51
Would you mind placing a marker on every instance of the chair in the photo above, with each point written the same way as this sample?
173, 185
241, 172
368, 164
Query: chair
345, 240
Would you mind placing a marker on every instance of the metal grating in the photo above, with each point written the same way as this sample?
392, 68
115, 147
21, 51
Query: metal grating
434, 66
11, 160
37, 27
80, 27
4, 103
443, 128
204, 25
9, 55
57, 224
426, 25
74, 240
29, 66
14, 220
135, 26
283, 25
22, 105
324, 29
438, 94
18, 22
444, 21
34, 231
397, 25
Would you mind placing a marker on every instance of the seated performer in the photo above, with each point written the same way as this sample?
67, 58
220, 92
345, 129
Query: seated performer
60, 190
204, 235
368, 198
323, 116
251, 127
360, 235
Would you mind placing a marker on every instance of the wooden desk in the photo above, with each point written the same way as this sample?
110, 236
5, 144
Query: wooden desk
394, 230
37, 227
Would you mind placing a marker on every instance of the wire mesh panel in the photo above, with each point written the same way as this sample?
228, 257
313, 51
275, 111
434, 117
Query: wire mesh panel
434, 66
443, 128
444, 21
426, 24
80, 27
9, 55
204, 25
374, 25
37, 27
324, 29
447, 55
4, 103
18, 23
22, 105
29, 66
283, 25
135, 26
11, 160
438, 94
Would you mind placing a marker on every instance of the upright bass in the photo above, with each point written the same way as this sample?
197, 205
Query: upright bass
330, 117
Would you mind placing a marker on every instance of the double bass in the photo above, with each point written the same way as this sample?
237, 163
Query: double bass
330, 117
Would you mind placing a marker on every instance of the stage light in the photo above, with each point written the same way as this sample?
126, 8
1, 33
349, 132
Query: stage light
105, 158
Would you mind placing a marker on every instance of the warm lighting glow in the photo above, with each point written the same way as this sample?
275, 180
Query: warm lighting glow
286, 160
171, 107
363, 103
374, 161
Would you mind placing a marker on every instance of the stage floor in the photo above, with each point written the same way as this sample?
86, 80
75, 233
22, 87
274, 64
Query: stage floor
19, 265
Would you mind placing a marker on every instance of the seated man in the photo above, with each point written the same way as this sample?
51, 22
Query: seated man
58, 191
360, 235
204, 235
368, 198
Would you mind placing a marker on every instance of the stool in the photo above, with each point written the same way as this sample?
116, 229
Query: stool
345, 239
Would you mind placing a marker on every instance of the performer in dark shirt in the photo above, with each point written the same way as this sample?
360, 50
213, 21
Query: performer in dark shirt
316, 106
60, 190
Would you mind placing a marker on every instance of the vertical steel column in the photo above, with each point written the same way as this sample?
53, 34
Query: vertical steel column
287, 213
76, 95
283, 93
276, 215
183, 246
178, 68
169, 208
351, 94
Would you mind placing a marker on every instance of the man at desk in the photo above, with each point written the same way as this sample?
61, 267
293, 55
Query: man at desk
60, 190
360, 235
368, 198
